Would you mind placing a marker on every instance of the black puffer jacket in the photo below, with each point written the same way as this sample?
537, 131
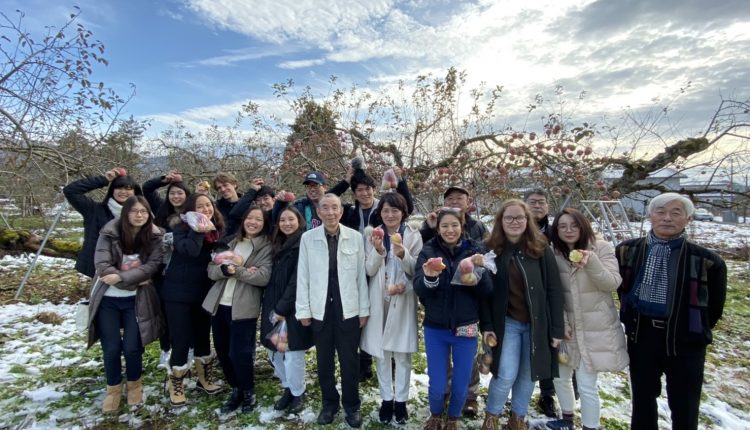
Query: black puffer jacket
473, 229
186, 278
450, 306
280, 295
95, 216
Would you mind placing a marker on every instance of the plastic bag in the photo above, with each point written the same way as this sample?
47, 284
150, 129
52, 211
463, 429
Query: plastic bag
562, 353
395, 278
82, 315
489, 262
484, 360
468, 273
279, 336
198, 222
226, 257
390, 181
130, 261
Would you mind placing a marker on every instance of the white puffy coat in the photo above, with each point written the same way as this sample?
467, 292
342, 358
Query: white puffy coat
398, 331
598, 336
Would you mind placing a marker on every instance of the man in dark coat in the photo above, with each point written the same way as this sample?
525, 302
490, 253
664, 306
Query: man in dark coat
672, 295
226, 185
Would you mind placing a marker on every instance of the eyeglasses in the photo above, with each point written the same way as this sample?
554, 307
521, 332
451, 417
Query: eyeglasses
139, 211
511, 219
534, 202
312, 186
572, 227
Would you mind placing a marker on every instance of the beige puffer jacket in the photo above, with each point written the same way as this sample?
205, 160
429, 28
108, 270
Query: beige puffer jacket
598, 336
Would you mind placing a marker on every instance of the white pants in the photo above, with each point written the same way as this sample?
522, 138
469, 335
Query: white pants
586, 389
388, 387
289, 367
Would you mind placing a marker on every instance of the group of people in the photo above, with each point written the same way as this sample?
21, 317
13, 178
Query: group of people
348, 279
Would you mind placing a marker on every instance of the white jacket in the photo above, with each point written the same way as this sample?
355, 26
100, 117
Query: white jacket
396, 332
312, 274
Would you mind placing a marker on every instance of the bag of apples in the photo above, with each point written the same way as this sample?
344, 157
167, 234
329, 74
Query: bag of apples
390, 181
279, 336
198, 222
226, 257
395, 278
470, 270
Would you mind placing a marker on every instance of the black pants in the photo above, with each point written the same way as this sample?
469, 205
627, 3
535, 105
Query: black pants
546, 387
648, 361
189, 325
115, 313
234, 342
332, 337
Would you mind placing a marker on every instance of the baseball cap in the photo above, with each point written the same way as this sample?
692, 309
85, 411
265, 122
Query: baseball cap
455, 188
315, 177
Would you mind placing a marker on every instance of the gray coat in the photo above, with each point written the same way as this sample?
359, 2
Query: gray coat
248, 292
107, 258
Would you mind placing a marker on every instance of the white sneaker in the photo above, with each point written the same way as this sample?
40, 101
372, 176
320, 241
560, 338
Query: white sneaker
163, 360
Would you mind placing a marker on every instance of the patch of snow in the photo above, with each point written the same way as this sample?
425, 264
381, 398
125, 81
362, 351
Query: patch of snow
43, 393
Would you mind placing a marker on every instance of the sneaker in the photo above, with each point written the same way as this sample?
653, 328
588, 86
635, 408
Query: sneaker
547, 406
561, 424
163, 360
400, 412
386, 411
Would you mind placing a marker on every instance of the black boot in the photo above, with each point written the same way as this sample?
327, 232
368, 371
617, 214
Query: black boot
386, 411
248, 401
233, 402
297, 404
399, 410
284, 401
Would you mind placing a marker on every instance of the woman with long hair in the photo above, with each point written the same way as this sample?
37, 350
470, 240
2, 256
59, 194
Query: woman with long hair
594, 339
451, 315
524, 317
96, 214
186, 284
279, 304
391, 332
164, 210
234, 302
127, 255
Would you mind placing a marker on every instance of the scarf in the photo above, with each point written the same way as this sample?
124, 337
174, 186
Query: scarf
652, 290
114, 207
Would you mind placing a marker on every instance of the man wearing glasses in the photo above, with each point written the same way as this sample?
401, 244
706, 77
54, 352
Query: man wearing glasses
315, 187
537, 201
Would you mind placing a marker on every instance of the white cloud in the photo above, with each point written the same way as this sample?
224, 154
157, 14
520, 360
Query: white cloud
301, 64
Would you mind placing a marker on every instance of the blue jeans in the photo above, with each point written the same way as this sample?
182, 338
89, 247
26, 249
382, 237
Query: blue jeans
514, 370
113, 314
440, 345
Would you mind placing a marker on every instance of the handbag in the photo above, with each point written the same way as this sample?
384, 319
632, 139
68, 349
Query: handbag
82, 315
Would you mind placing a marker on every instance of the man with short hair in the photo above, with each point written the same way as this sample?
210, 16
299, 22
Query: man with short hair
258, 194
672, 295
315, 188
226, 185
537, 201
332, 296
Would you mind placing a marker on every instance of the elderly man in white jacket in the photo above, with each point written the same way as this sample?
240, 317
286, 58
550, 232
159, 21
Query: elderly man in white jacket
332, 296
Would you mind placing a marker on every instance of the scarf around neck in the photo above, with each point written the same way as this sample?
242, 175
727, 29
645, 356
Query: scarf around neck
114, 207
653, 289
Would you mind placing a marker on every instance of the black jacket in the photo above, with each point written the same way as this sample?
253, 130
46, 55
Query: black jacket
230, 224
186, 277
701, 289
280, 295
95, 216
350, 218
474, 228
449, 306
151, 194
544, 300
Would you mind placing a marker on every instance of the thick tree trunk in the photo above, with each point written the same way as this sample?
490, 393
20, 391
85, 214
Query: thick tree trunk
26, 241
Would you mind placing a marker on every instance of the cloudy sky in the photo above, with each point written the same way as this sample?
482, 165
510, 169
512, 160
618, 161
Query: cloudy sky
198, 60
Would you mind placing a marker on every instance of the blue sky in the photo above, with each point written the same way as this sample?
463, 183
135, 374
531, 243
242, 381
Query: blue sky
199, 60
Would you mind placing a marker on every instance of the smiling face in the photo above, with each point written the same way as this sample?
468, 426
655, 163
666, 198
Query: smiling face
449, 229
123, 193
265, 202
568, 230
458, 200
204, 205
330, 211
253, 223
391, 216
138, 216
314, 191
669, 220
514, 222
365, 195
176, 196
288, 222
227, 190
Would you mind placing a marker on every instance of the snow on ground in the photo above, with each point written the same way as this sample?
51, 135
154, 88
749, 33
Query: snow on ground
30, 350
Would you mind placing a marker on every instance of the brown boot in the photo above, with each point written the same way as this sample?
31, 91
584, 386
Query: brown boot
175, 387
491, 422
435, 422
516, 422
135, 392
451, 424
111, 402
204, 370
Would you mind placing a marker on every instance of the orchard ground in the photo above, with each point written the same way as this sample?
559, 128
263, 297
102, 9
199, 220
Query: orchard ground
50, 380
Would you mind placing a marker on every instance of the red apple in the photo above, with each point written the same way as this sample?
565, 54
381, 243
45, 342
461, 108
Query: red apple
466, 266
378, 232
435, 264
288, 196
120, 171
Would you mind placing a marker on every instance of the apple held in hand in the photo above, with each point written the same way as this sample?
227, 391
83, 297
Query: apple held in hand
466, 266
469, 279
491, 341
575, 256
288, 196
237, 260
435, 264
120, 171
396, 238
378, 232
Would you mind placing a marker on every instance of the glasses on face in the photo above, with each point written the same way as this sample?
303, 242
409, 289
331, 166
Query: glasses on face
312, 186
536, 202
571, 227
517, 219
139, 211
